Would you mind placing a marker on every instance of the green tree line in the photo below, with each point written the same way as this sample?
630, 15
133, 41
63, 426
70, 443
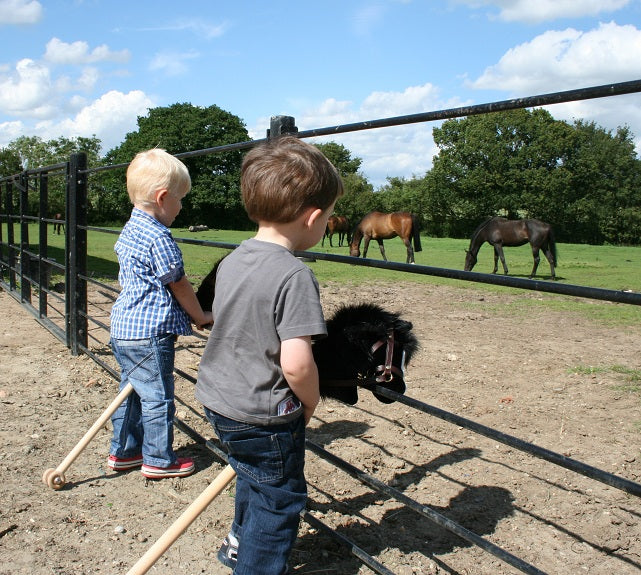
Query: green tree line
579, 177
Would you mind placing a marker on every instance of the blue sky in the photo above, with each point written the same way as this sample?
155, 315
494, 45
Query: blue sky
91, 67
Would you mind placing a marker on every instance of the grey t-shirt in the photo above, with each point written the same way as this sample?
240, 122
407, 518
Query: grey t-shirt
264, 295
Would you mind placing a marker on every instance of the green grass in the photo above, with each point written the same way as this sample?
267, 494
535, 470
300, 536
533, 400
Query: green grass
609, 267
631, 377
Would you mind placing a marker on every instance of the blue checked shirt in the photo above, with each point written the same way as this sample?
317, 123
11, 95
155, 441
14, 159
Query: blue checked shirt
149, 259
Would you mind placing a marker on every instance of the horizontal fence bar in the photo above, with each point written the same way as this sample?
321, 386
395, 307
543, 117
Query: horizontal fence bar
556, 287
44, 171
603, 91
551, 456
593, 92
424, 510
434, 516
364, 557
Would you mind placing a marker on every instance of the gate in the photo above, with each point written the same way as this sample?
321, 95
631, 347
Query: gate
26, 269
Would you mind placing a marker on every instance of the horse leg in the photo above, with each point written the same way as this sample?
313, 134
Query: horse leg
410, 252
537, 259
380, 245
330, 240
498, 253
550, 258
365, 245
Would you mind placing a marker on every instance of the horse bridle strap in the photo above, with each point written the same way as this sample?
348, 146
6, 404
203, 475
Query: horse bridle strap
383, 373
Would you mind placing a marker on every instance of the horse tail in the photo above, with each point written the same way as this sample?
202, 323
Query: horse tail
416, 234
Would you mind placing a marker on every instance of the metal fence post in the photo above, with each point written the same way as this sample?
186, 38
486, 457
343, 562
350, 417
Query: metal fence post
11, 252
43, 276
25, 258
281, 126
76, 253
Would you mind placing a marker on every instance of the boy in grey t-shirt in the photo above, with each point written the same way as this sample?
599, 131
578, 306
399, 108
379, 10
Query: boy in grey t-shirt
257, 377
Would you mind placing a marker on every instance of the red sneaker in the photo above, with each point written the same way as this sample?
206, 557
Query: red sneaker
183, 467
123, 463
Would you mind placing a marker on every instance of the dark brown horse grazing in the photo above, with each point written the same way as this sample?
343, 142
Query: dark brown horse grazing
336, 225
365, 346
58, 224
379, 226
500, 232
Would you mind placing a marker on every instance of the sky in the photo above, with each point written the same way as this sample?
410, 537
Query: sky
92, 67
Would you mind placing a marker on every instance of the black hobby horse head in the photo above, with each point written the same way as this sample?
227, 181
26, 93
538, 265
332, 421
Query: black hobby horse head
366, 346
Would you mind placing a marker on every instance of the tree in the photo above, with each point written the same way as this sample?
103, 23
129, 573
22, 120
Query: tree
523, 163
30, 152
359, 197
10, 162
605, 205
214, 199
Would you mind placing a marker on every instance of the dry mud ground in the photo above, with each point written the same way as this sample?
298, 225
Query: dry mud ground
522, 369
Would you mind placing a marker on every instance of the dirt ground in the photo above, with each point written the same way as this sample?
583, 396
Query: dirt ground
549, 377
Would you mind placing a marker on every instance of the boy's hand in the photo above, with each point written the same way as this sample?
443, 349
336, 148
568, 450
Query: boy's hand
207, 321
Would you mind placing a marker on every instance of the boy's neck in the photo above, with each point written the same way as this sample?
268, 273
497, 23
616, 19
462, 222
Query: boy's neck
281, 234
147, 209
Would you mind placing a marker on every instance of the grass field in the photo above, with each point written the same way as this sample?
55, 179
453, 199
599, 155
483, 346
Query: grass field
609, 267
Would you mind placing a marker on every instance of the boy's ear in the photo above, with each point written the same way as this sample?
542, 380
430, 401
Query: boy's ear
161, 195
312, 216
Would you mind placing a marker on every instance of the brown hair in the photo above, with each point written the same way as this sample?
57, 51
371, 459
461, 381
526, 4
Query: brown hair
283, 176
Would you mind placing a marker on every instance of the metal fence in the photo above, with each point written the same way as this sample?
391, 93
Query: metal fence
64, 309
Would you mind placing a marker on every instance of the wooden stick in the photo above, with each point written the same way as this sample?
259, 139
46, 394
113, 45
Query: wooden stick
183, 522
55, 478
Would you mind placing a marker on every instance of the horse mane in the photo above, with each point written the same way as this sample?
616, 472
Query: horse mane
351, 321
207, 288
356, 233
482, 225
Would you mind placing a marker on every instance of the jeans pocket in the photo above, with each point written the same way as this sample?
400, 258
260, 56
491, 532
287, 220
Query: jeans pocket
145, 360
260, 458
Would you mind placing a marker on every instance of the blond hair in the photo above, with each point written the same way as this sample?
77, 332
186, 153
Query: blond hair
155, 170
284, 176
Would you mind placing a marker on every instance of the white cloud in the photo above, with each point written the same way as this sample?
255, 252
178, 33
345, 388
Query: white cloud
570, 59
567, 59
547, 10
26, 89
9, 131
172, 63
397, 151
20, 11
88, 78
110, 118
59, 52
367, 19
198, 27
30, 91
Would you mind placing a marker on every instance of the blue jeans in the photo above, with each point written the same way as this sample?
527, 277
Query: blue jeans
144, 422
270, 490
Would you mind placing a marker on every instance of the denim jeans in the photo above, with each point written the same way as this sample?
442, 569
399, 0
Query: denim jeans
144, 422
270, 490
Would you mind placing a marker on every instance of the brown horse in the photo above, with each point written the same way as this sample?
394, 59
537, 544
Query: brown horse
500, 232
336, 225
59, 224
380, 226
